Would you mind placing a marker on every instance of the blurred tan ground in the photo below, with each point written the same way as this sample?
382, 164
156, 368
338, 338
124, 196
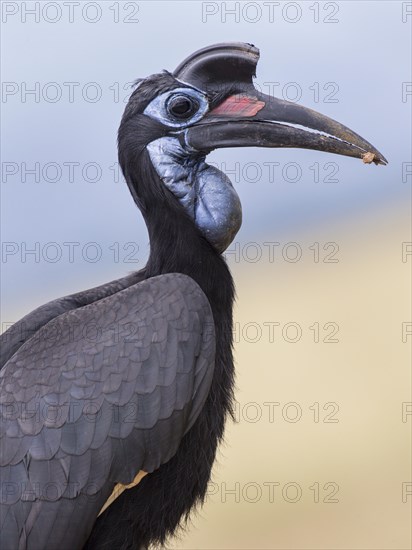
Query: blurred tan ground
368, 452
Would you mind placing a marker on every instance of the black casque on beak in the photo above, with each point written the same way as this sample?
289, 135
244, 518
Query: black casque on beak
244, 117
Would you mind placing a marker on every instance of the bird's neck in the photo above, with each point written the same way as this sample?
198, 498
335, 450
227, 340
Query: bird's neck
177, 245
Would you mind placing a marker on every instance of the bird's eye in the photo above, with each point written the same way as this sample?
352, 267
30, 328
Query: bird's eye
178, 108
182, 106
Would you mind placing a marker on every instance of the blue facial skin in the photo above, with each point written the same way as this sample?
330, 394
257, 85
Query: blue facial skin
158, 108
205, 192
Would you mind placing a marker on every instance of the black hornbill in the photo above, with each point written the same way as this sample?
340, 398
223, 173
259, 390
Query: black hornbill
136, 376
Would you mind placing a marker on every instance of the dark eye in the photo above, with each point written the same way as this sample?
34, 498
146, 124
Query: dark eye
182, 106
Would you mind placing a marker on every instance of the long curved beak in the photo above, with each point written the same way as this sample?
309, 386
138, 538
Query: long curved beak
253, 119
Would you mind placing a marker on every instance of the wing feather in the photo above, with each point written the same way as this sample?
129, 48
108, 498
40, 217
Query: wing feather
95, 395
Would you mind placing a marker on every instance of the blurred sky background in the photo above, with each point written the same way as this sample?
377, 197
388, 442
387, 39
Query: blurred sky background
348, 60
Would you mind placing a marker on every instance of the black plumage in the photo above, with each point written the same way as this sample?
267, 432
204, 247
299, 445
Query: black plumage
138, 374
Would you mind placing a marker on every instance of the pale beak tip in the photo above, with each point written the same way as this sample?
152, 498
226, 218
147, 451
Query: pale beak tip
368, 158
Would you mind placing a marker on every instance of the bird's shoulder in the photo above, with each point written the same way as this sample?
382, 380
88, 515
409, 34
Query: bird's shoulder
21, 331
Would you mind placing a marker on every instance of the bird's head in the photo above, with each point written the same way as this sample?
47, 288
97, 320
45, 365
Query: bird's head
173, 120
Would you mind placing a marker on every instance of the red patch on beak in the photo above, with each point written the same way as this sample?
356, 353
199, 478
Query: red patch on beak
239, 106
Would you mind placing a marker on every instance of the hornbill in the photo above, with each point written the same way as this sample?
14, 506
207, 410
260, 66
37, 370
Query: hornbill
135, 377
